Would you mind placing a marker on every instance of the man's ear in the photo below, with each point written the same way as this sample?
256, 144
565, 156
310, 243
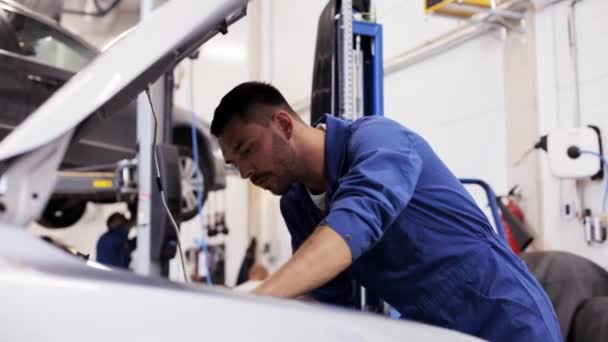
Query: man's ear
284, 122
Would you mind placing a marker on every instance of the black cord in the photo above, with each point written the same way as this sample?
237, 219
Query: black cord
540, 144
160, 188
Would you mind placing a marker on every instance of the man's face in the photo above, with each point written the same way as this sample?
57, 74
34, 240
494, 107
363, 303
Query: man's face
261, 153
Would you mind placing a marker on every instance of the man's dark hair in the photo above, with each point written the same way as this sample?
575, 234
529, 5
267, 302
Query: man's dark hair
246, 100
116, 220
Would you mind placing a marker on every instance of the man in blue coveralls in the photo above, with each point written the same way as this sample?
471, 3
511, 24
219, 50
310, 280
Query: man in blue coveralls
114, 247
369, 200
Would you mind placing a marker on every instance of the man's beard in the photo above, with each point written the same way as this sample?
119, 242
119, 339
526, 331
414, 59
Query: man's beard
283, 160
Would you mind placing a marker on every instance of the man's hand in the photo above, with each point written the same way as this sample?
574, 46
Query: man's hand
320, 258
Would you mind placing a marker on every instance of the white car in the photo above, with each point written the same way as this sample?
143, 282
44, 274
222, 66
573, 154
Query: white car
48, 295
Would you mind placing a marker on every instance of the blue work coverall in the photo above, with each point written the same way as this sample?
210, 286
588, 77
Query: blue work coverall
418, 240
114, 248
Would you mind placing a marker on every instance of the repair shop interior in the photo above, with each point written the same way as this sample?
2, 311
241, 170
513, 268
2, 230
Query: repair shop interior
319, 170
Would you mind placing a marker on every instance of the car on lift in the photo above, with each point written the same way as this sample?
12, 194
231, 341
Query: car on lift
37, 56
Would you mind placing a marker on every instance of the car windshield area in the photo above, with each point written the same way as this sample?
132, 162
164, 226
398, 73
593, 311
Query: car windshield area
47, 45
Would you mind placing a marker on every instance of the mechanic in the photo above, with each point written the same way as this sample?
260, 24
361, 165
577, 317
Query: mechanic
114, 247
370, 200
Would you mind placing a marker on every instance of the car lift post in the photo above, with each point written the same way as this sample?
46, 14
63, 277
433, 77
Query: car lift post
145, 143
151, 218
360, 91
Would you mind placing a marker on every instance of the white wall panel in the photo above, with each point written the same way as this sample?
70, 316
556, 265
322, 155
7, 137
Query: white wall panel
405, 25
553, 48
223, 63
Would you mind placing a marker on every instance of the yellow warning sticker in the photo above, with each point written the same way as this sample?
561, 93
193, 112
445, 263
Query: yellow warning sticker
102, 183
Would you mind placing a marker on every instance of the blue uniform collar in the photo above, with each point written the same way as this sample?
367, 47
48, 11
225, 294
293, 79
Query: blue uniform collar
337, 134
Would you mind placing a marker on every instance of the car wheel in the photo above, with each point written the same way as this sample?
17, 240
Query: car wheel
191, 185
62, 212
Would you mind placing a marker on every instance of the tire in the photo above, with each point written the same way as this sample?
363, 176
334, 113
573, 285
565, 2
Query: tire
189, 183
62, 213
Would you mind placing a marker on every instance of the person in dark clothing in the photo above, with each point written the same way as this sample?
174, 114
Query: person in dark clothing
114, 246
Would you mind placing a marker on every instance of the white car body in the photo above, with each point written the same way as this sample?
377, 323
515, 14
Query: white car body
48, 295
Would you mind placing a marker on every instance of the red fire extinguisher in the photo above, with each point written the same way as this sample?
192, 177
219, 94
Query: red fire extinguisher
518, 233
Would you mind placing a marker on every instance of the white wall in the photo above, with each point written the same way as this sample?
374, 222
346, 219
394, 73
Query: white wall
521, 120
556, 109
293, 27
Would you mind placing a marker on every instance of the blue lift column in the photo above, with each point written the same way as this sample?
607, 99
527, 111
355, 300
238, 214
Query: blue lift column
373, 66
370, 35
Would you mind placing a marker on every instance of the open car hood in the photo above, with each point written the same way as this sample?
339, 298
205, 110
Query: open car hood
124, 69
